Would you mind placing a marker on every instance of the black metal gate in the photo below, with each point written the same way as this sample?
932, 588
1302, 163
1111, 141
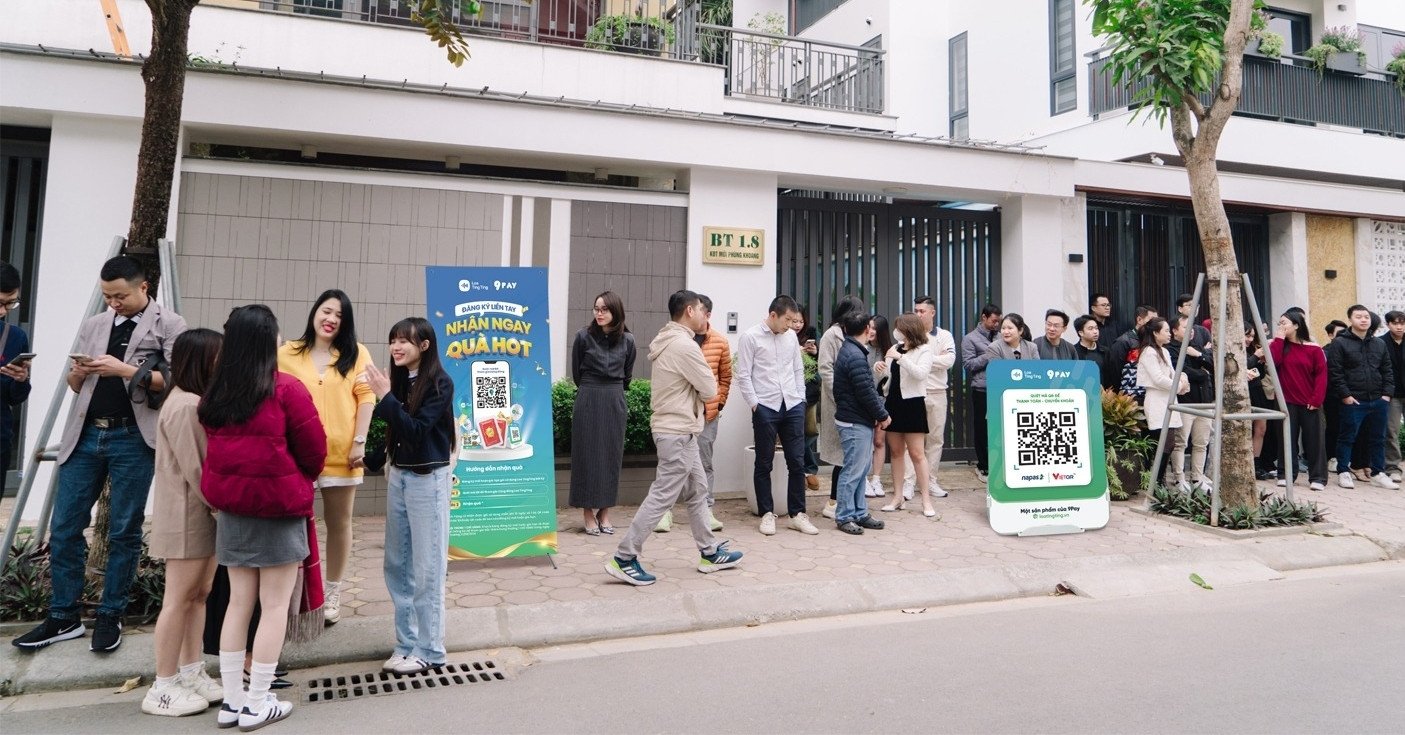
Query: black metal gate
888, 254
1149, 253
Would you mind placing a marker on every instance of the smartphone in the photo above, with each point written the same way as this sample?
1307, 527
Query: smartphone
22, 359
80, 358
492, 395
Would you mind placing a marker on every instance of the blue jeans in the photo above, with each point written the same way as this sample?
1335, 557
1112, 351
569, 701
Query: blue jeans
417, 559
1368, 417
790, 425
857, 442
119, 455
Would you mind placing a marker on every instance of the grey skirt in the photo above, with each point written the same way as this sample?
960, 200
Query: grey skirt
597, 445
242, 541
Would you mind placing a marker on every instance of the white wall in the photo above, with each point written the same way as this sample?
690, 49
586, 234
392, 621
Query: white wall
732, 199
88, 197
1287, 247
351, 48
1036, 236
1382, 13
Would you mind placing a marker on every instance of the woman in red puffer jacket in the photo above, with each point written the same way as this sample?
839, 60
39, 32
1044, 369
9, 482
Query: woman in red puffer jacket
266, 448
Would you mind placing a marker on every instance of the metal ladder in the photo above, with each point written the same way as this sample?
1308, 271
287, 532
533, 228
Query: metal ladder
49, 453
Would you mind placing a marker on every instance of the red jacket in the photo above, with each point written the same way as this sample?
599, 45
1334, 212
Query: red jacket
266, 466
1303, 373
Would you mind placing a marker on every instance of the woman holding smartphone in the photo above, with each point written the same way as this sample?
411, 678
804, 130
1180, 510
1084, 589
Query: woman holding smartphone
417, 404
266, 448
602, 364
332, 366
183, 533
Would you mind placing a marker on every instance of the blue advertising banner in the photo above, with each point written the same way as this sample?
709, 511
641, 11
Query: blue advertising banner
495, 342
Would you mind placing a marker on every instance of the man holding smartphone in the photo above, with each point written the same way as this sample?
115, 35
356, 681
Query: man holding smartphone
110, 437
14, 373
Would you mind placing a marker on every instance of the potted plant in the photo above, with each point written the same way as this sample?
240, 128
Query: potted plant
1268, 44
1396, 66
1127, 446
1339, 50
630, 34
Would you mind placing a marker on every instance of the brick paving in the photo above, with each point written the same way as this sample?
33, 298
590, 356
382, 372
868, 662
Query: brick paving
911, 543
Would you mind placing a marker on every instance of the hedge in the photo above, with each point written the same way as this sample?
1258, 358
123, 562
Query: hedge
638, 439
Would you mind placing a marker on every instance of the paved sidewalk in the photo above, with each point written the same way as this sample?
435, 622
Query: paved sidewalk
914, 562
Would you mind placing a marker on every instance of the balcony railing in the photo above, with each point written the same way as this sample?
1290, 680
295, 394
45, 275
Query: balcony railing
787, 69
794, 70
1287, 92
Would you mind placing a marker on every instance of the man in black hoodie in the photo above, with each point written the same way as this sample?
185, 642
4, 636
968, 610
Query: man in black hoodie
1359, 372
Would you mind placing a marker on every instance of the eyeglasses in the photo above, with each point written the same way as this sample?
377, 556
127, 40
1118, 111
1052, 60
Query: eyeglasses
600, 309
10, 304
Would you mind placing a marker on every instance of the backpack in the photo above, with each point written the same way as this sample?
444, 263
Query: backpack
1127, 384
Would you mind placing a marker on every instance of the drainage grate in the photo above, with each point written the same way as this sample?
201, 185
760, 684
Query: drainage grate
352, 686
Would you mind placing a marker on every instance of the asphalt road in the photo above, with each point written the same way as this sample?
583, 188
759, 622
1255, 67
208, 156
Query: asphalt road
1318, 652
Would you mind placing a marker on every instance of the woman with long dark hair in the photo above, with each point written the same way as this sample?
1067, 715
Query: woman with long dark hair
602, 364
908, 366
417, 404
183, 533
830, 342
1156, 373
880, 340
266, 449
332, 366
1302, 376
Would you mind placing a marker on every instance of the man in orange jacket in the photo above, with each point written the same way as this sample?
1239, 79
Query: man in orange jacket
718, 354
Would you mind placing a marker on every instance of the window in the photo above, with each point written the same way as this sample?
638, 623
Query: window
1063, 75
956, 83
328, 8
1295, 28
805, 13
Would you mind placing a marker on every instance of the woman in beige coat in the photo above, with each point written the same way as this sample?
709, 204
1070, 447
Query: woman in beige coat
833, 339
1157, 374
183, 533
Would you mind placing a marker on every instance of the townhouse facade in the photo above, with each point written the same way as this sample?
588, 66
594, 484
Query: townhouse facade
885, 147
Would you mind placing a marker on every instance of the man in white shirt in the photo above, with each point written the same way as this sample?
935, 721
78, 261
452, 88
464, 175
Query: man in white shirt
771, 378
944, 345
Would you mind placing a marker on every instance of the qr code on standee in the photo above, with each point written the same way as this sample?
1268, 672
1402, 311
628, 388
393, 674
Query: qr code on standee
491, 392
1045, 438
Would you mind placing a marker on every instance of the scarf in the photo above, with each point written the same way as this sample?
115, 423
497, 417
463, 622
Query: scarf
305, 621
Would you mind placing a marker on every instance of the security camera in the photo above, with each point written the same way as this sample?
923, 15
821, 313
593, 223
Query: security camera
868, 20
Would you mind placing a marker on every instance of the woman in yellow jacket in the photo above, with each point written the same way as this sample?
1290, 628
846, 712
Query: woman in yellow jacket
332, 364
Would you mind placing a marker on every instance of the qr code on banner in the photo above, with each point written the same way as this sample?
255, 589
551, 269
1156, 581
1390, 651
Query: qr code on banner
1046, 438
490, 392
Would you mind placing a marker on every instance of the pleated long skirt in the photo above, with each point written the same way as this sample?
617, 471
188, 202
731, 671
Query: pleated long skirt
597, 445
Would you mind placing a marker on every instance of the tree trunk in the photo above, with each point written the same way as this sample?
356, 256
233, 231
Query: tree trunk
164, 76
1237, 486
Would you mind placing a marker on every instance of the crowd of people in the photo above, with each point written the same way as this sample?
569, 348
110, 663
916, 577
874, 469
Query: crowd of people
881, 392
237, 434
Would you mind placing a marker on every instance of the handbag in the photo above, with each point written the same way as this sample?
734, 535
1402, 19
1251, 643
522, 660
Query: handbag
812, 422
139, 387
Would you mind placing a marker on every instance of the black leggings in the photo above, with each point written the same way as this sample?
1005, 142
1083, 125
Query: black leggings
834, 482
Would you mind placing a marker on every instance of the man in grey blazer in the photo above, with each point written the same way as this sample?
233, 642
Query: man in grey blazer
109, 437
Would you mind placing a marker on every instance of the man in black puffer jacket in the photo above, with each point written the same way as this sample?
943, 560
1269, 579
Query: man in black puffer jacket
857, 409
1359, 373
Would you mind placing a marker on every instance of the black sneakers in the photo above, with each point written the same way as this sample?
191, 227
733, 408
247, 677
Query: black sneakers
50, 631
107, 633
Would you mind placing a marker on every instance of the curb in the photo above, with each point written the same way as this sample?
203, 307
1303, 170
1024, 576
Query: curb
71, 666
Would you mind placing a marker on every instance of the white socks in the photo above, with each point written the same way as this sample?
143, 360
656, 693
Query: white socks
164, 681
232, 678
260, 679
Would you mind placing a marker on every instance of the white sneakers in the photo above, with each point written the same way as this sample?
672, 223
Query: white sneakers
801, 523
1381, 479
273, 710
174, 700
331, 605
936, 490
393, 663
909, 490
201, 683
829, 509
873, 488
1317, 486
768, 524
1346, 480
